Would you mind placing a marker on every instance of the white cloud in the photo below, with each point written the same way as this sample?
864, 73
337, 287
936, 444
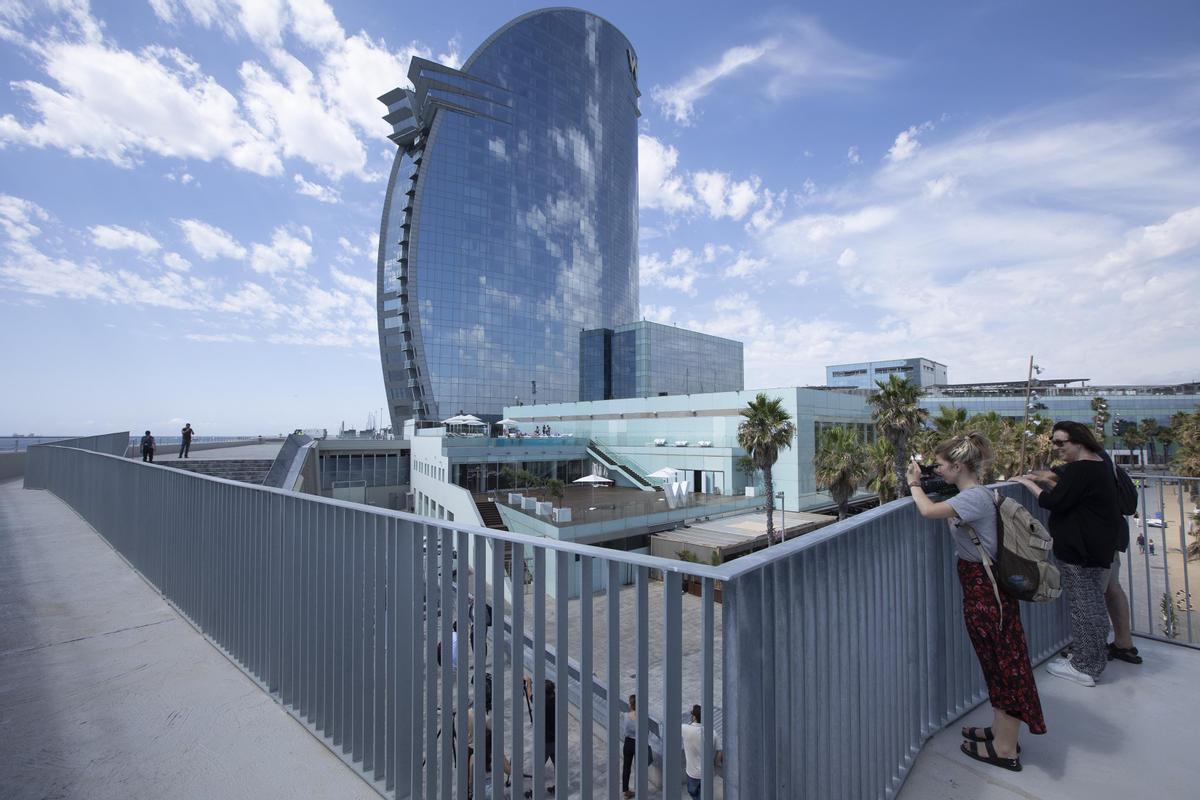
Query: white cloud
906, 144
677, 273
801, 278
724, 197
117, 105
17, 217
287, 252
218, 337
802, 57
116, 237
678, 101
252, 300
1177, 234
658, 185
326, 194
853, 156
745, 266
209, 241
848, 258
940, 187
663, 314
176, 262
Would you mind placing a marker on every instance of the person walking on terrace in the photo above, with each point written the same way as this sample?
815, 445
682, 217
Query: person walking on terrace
994, 627
148, 447
693, 752
1087, 528
186, 445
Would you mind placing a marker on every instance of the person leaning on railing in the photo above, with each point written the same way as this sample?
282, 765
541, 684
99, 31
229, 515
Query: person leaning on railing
994, 626
1087, 528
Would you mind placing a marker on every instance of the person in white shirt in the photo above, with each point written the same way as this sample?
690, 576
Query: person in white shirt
693, 752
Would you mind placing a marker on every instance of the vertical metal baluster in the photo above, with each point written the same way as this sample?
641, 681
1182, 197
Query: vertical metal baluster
447, 723
707, 708
539, 672
431, 670
497, 636
479, 646
672, 679
562, 697
1146, 560
462, 596
587, 740
518, 670
1183, 548
1162, 514
643, 680
414, 693
379, 708
393, 673
615, 743
329, 628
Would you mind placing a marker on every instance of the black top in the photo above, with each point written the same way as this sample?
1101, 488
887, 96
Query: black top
1085, 519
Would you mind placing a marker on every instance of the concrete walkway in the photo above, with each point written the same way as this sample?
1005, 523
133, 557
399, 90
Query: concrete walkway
106, 693
1131, 736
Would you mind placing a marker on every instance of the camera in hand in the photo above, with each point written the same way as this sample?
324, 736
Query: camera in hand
932, 483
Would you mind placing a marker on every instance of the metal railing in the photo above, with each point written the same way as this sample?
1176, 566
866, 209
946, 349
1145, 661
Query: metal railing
834, 656
1157, 571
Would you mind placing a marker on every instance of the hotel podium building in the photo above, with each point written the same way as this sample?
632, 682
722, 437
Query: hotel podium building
510, 218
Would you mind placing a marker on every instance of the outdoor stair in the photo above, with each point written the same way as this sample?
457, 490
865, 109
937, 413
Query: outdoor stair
244, 470
490, 514
615, 464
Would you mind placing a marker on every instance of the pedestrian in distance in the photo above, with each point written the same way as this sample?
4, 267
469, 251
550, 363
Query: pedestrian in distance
186, 445
1152, 547
993, 624
1141, 540
148, 447
693, 752
629, 746
1087, 528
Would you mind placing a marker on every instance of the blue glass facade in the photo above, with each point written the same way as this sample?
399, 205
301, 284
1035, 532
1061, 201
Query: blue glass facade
510, 223
648, 359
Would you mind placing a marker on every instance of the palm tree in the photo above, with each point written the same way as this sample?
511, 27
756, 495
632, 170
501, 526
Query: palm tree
949, 421
1151, 430
898, 416
877, 456
1134, 439
1003, 434
840, 465
766, 428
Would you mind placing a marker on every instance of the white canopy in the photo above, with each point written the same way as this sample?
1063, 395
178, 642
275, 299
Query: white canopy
665, 472
508, 423
463, 419
592, 479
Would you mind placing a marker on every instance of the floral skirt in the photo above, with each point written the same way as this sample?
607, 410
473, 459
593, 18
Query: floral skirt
1000, 647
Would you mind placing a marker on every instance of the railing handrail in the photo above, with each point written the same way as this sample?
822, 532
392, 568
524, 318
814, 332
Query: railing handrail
620, 556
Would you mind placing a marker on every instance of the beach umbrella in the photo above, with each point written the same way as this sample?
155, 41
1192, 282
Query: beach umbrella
665, 472
593, 480
508, 423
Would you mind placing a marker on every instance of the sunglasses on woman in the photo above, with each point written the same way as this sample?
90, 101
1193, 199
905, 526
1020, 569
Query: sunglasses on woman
1059, 442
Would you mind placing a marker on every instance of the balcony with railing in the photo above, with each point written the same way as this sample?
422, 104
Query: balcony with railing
822, 670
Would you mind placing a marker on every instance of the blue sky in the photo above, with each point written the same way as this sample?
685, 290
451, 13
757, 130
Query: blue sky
190, 194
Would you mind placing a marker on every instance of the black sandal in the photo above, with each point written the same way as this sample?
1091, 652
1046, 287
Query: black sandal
1013, 764
980, 735
1127, 654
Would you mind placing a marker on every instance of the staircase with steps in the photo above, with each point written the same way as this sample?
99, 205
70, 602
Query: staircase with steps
490, 515
244, 470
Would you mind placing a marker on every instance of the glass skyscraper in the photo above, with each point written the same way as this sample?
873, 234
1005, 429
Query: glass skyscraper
648, 359
510, 219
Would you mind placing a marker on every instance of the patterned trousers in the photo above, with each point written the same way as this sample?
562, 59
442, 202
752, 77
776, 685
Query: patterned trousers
1084, 587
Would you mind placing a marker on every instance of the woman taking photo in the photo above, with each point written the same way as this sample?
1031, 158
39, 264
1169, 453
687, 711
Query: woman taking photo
994, 627
1087, 526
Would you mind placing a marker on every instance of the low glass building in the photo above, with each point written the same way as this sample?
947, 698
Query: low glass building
648, 359
864, 374
510, 218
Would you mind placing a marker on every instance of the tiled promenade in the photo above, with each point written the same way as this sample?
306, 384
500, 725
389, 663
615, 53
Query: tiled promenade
105, 692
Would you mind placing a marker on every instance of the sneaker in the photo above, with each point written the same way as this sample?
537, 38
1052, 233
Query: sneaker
1065, 669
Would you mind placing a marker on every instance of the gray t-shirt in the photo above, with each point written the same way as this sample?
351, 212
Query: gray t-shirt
976, 507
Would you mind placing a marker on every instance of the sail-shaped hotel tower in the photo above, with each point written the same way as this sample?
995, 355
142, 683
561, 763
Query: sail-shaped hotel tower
510, 221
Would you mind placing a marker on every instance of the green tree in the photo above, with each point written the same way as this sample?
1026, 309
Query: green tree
555, 488
1185, 429
898, 417
1134, 439
949, 421
1152, 431
881, 478
840, 465
765, 429
1003, 434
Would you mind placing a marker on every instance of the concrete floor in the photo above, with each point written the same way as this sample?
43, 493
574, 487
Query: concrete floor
105, 692
1131, 736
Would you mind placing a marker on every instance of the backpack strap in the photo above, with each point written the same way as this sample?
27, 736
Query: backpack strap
987, 563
